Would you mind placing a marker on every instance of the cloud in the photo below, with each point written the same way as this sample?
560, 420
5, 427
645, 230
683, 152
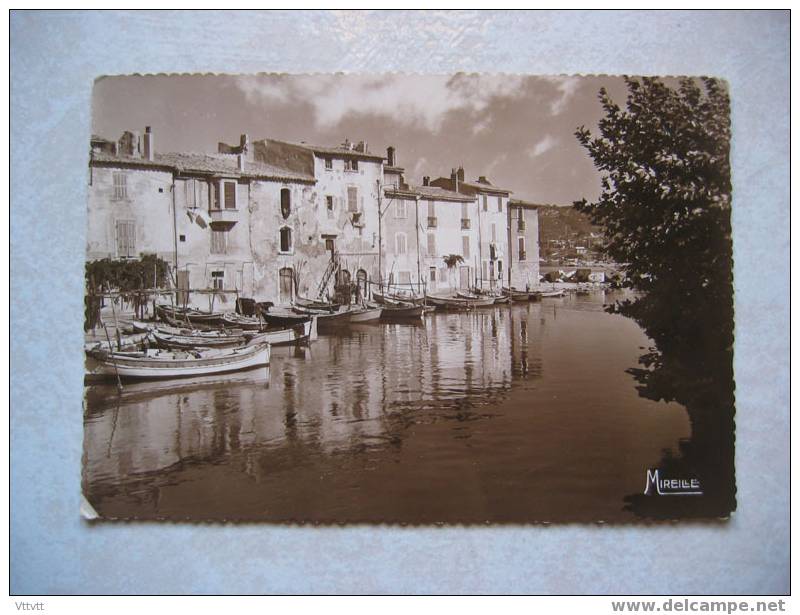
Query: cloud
413, 100
567, 87
542, 146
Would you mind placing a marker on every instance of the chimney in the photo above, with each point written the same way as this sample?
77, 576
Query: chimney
454, 179
426, 181
240, 161
482, 179
390, 156
244, 140
362, 147
147, 144
460, 173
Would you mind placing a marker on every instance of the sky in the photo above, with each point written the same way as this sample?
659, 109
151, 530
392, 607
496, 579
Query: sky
516, 130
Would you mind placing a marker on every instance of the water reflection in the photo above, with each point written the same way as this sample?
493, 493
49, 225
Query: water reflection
520, 413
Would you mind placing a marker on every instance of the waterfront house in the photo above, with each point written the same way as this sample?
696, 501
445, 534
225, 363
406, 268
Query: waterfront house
492, 204
523, 244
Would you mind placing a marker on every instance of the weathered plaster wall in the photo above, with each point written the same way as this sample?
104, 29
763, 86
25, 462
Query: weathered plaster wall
144, 205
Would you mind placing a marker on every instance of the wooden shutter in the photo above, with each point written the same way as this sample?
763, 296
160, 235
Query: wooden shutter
120, 186
230, 195
191, 195
352, 199
126, 238
465, 246
431, 244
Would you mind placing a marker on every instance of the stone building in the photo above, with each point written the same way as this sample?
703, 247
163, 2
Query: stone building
268, 219
421, 226
523, 244
492, 221
337, 218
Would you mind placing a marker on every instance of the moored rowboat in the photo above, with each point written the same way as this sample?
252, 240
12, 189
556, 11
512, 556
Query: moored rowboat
157, 363
365, 315
402, 310
189, 314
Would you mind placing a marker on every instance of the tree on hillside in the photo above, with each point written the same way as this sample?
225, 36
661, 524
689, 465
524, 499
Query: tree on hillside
665, 208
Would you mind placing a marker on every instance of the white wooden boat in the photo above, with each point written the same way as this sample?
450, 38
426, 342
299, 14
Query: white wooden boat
286, 335
476, 300
549, 294
189, 315
403, 296
158, 363
171, 340
248, 323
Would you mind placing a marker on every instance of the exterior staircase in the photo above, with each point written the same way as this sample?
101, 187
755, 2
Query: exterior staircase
331, 269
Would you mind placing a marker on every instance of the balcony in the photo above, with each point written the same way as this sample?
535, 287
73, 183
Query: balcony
230, 216
432, 222
520, 225
465, 224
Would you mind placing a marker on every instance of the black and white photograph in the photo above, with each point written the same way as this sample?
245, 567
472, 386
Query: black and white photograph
463, 298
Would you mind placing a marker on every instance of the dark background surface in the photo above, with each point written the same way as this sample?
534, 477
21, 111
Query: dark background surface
54, 59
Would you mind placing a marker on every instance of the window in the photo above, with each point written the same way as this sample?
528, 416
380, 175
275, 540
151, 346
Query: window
218, 280
213, 201
286, 239
521, 245
330, 245
499, 269
286, 203
400, 243
485, 203
191, 193
352, 199
431, 244
500, 204
432, 274
464, 216
351, 165
400, 210
182, 237
126, 238
328, 163
230, 194
120, 186
465, 246
219, 241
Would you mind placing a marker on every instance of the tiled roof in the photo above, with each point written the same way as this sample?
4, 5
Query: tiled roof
440, 194
339, 150
388, 169
486, 187
206, 164
430, 193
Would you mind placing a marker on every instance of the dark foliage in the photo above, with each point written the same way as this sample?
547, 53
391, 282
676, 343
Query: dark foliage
665, 210
127, 277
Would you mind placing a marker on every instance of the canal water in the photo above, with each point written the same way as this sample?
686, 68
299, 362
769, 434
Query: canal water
519, 414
